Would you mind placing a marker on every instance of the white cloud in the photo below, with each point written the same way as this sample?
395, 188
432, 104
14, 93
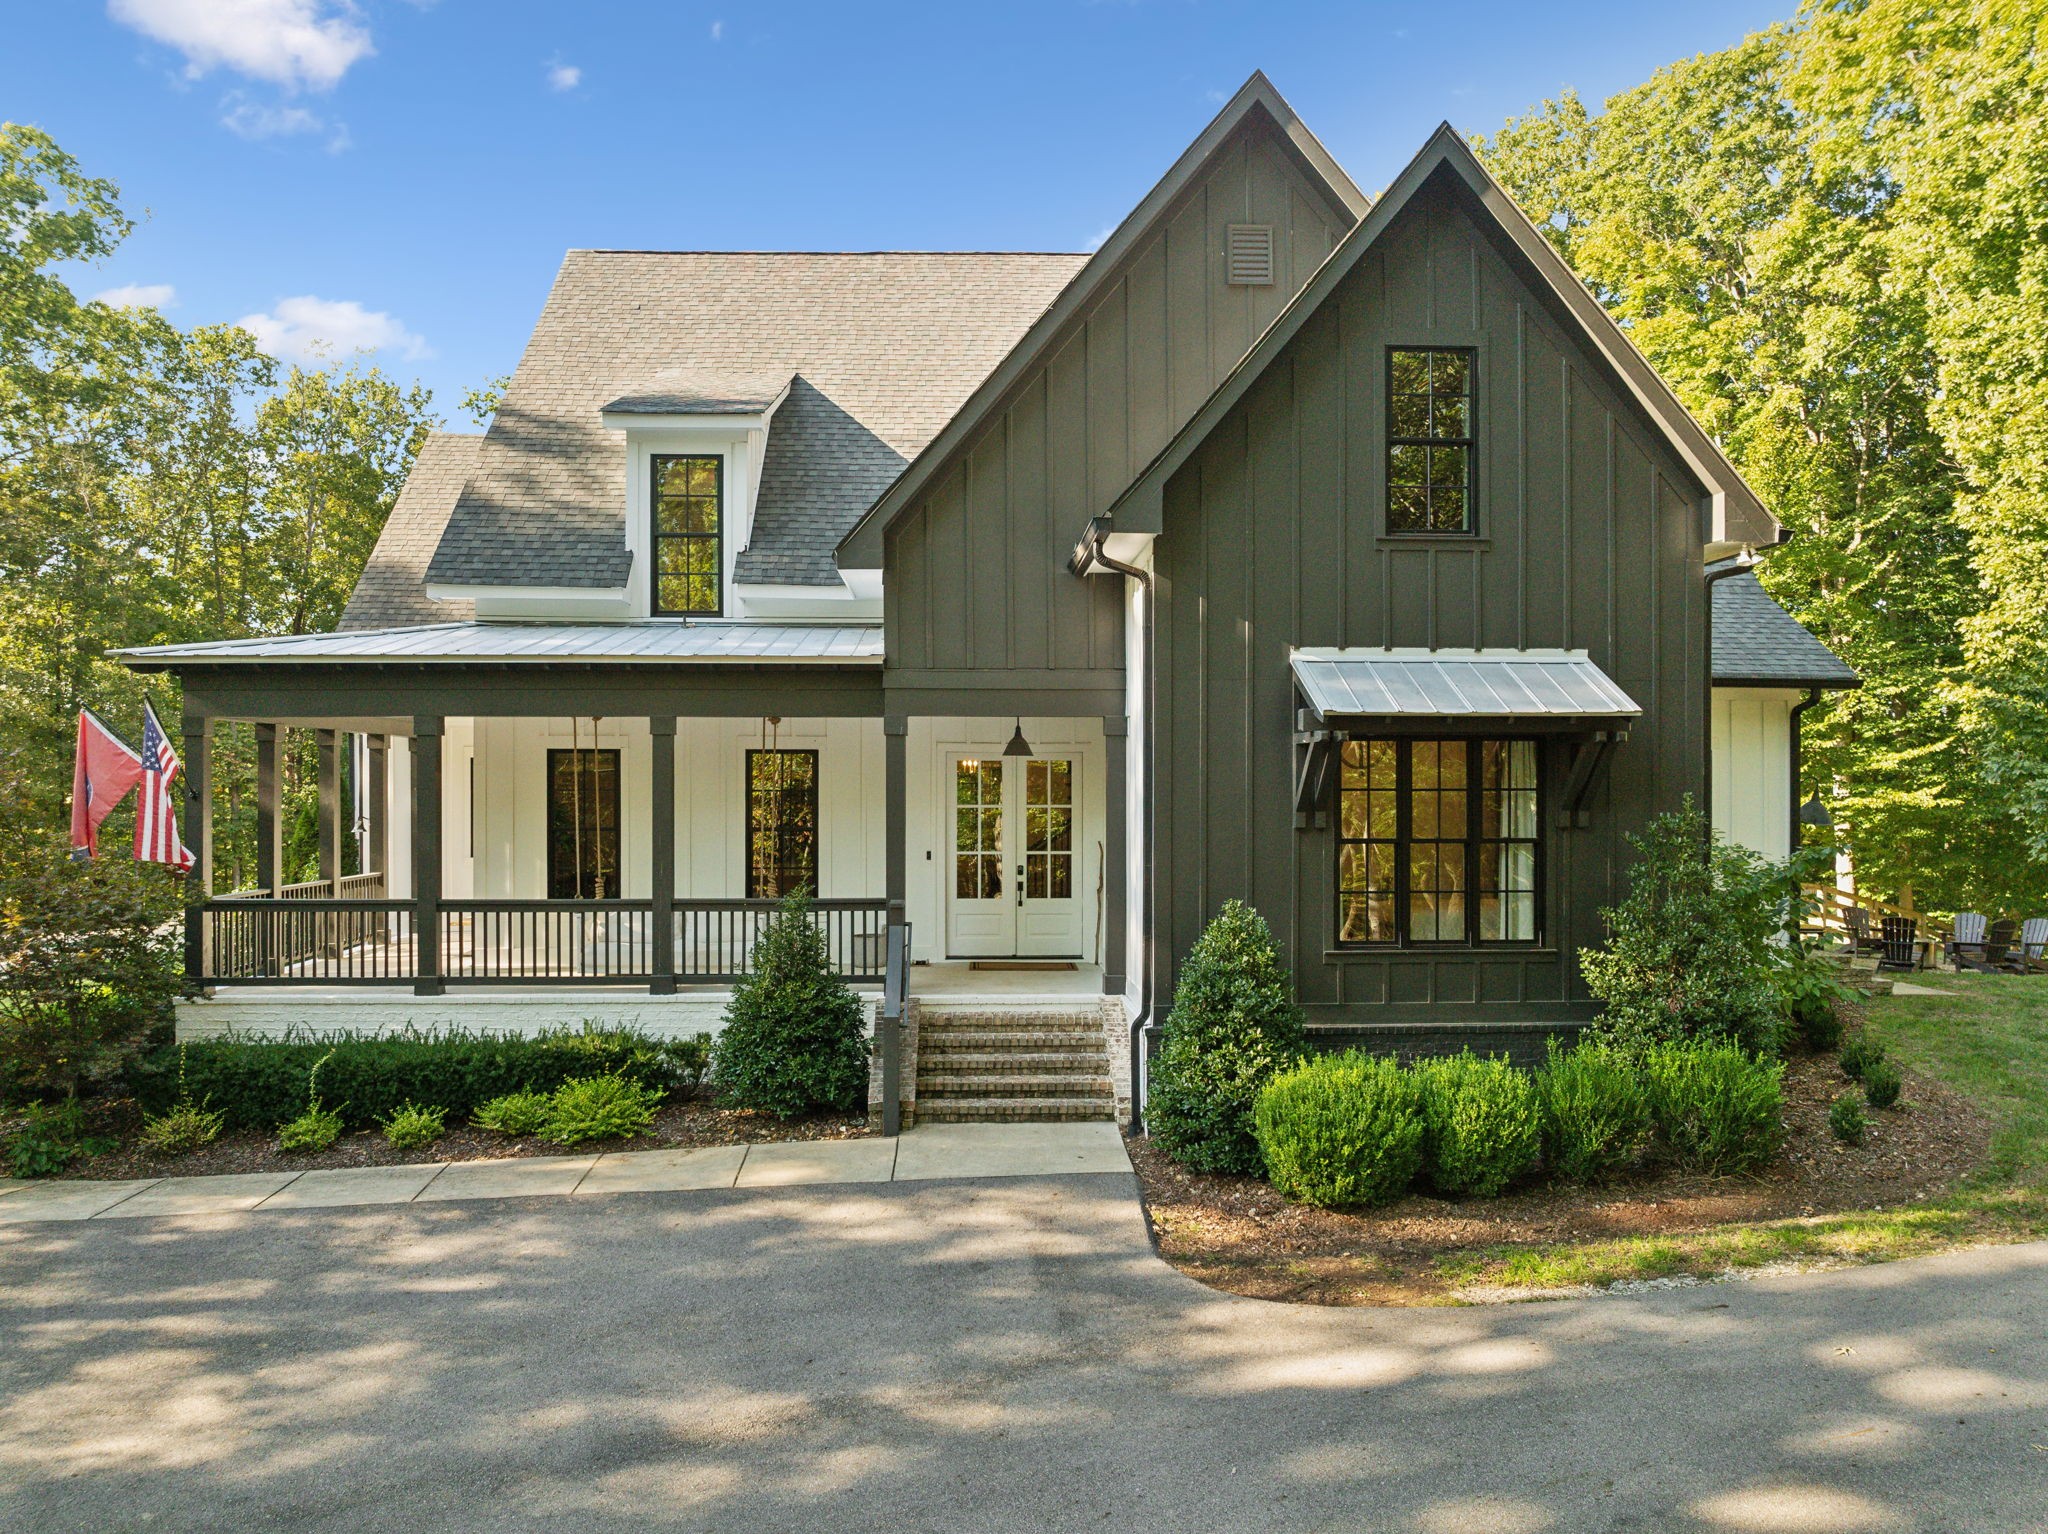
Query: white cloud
564, 77
306, 328
1095, 240
291, 43
138, 295
258, 120
718, 31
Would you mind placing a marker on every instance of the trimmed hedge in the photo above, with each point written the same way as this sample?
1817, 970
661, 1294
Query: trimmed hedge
1717, 1108
1596, 1114
260, 1084
1341, 1129
1480, 1125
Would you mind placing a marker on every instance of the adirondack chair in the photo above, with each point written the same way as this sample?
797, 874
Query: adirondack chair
1966, 944
1901, 949
1861, 938
1998, 946
2033, 945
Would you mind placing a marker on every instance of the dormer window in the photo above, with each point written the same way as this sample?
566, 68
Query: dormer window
689, 557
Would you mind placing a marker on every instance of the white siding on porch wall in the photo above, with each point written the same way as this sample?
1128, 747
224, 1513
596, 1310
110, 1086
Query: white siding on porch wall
1752, 746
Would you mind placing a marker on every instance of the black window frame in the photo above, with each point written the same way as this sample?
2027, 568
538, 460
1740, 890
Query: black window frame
592, 755
1473, 843
1469, 523
756, 889
657, 538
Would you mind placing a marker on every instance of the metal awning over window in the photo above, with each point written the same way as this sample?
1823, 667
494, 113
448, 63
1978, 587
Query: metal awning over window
1525, 689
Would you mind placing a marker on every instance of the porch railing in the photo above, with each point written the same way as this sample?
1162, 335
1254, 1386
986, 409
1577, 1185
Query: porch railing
304, 940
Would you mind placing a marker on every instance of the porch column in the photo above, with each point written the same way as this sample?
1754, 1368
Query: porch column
661, 785
1116, 734
379, 851
197, 770
426, 854
269, 832
896, 831
329, 819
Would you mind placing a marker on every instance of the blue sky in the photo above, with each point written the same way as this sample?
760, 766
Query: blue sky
406, 174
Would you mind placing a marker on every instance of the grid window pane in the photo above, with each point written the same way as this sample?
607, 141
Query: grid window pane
1430, 440
1048, 829
688, 535
782, 823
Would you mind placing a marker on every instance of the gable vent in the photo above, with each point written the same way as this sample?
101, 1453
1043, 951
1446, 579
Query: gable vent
1248, 249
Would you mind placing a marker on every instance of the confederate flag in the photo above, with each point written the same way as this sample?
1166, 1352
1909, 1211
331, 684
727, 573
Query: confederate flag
156, 824
102, 774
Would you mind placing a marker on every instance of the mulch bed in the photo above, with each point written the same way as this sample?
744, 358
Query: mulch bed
691, 1122
1238, 1235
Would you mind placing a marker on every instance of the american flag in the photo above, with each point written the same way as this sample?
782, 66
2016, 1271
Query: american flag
156, 819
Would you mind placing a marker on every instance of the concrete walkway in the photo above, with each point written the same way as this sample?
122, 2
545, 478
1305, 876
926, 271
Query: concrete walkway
930, 1153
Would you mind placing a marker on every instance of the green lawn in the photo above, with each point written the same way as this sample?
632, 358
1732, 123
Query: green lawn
1989, 1041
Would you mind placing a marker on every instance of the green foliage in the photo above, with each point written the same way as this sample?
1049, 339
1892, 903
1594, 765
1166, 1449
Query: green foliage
1481, 1123
1881, 1083
688, 1059
1827, 238
258, 1083
47, 1137
1859, 1055
1845, 1119
409, 1125
179, 1131
1595, 1112
1689, 952
516, 1113
481, 403
1717, 1109
87, 968
599, 1108
1341, 1130
314, 1130
1811, 988
1233, 1026
795, 1037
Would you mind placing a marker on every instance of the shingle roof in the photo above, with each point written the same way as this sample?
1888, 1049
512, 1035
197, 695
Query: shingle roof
699, 391
894, 340
1758, 643
392, 590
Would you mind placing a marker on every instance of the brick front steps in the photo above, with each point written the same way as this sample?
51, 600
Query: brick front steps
1012, 1067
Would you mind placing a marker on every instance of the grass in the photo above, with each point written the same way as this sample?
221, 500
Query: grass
1989, 1042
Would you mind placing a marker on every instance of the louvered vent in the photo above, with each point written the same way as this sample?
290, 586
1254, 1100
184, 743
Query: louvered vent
1250, 255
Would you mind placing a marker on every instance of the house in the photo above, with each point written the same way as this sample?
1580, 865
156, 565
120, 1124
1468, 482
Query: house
1331, 552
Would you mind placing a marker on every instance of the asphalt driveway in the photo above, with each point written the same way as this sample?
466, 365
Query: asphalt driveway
962, 1356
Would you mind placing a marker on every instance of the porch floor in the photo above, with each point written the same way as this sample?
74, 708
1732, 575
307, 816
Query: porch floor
957, 980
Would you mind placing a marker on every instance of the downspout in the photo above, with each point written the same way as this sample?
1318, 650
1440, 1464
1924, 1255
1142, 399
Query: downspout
1142, 1027
1793, 832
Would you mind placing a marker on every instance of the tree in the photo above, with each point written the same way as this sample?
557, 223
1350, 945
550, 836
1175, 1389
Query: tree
795, 1037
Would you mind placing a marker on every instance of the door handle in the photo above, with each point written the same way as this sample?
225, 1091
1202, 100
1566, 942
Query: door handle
1020, 884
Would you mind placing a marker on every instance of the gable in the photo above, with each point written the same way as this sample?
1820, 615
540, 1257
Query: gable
974, 561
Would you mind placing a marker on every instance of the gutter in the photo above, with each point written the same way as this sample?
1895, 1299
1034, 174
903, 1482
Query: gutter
1090, 554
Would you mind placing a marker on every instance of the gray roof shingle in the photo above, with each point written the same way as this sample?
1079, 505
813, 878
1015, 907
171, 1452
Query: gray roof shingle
1756, 642
392, 589
891, 341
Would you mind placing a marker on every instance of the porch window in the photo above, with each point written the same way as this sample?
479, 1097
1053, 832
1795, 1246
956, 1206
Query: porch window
1437, 842
1430, 438
689, 561
583, 825
782, 823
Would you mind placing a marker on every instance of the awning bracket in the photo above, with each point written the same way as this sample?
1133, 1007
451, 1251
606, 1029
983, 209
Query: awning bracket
1314, 750
1587, 761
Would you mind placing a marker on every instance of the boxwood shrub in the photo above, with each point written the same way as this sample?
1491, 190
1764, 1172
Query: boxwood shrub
1480, 1125
259, 1084
1717, 1108
1341, 1130
1595, 1112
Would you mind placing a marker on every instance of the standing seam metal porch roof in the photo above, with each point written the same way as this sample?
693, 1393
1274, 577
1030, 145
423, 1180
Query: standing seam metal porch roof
1458, 684
538, 644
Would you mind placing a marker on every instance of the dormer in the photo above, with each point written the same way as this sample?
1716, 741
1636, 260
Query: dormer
694, 443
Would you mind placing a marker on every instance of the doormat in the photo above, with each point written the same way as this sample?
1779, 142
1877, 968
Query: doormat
1021, 964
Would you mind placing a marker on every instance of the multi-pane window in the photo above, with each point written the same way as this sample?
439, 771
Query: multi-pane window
978, 829
1437, 841
688, 558
782, 823
1430, 435
583, 825
1048, 829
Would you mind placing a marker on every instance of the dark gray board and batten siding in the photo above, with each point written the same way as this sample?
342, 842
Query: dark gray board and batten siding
979, 594
1588, 537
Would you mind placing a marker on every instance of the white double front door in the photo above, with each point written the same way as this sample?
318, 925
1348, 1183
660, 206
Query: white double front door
1014, 885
